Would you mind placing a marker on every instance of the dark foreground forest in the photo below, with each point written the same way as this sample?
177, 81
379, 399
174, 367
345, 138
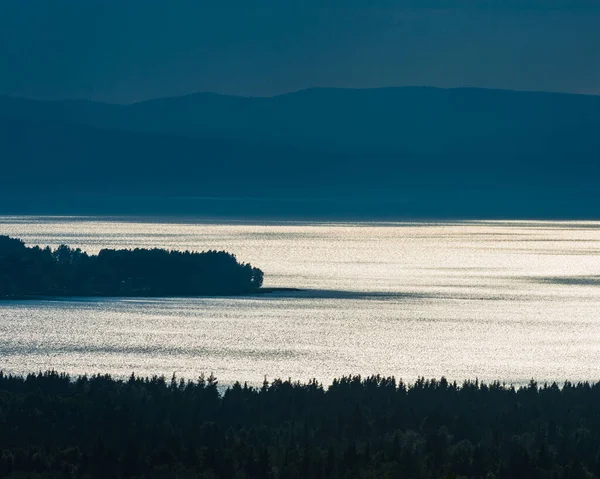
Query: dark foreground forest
55, 426
33, 271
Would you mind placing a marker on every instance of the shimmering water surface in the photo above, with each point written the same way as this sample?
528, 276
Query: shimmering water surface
505, 301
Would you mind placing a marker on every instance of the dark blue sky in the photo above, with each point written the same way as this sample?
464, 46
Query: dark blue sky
128, 50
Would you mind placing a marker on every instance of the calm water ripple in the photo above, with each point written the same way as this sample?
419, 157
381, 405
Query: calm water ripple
509, 300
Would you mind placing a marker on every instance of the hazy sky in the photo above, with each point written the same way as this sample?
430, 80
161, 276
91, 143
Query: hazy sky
127, 50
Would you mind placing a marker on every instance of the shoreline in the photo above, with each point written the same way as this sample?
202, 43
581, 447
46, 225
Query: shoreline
261, 291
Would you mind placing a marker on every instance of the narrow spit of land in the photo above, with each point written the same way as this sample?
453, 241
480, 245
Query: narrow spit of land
375, 427
28, 272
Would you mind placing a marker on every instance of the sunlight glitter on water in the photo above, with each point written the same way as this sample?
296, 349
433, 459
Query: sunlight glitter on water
493, 300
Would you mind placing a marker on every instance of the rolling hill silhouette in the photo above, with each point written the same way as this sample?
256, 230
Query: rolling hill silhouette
388, 152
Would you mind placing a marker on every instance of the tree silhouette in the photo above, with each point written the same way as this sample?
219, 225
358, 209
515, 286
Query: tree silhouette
26, 271
96, 426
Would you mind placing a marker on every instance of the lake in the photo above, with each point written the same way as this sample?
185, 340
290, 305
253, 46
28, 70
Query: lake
493, 300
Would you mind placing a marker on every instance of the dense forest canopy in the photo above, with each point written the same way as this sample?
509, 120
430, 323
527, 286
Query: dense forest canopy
27, 271
375, 427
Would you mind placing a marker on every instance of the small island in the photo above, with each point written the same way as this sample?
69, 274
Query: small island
36, 272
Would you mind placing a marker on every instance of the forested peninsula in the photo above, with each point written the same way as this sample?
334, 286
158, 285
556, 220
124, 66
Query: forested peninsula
34, 272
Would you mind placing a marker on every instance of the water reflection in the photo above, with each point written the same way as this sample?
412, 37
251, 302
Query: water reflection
492, 300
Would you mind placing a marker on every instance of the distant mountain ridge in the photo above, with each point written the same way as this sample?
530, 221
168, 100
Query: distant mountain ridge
356, 144
407, 120
53, 157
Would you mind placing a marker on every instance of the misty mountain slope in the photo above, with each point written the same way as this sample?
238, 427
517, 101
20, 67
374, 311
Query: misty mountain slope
60, 157
410, 120
442, 152
391, 120
52, 156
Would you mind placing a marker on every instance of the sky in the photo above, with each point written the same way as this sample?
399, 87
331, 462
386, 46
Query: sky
122, 51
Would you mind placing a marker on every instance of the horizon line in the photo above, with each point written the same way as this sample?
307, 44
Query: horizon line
295, 92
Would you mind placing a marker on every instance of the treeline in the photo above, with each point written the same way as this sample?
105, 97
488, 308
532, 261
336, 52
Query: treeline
56, 426
35, 271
